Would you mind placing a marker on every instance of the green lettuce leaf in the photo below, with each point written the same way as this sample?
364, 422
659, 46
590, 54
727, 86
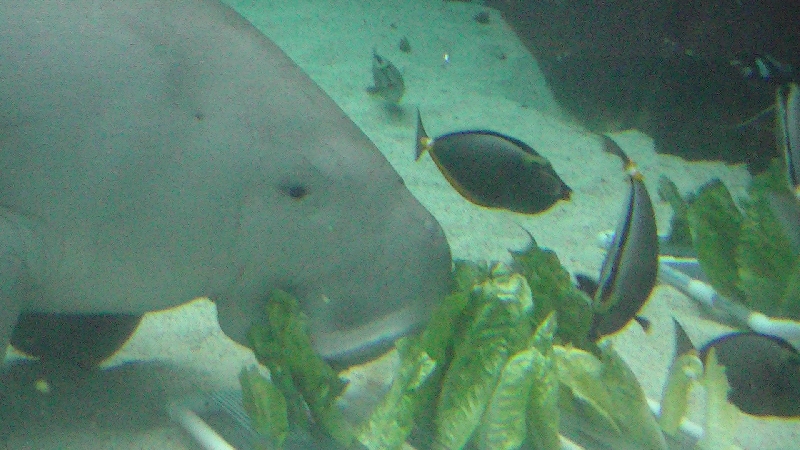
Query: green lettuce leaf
685, 370
503, 426
607, 399
721, 416
543, 412
715, 222
265, 405
393, 419
499, 326
769, 266
552, 290
283, 345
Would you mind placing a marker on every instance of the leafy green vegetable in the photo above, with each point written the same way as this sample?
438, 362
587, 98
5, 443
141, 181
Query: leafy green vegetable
765, 259
437, 340
489, 340
721, 416
769, 266
716, 226
552, 290
284, 346
751, 255
543, 413
504, 426
265, 405
605, 393
478, 373
469, 273
684, 370
393, 419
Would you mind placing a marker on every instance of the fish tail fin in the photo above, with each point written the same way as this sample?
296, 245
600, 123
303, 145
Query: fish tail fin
566, 192
610, 146
683, 344
422, 142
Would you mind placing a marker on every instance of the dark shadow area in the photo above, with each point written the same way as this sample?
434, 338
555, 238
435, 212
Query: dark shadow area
684, 72
85, 408
83, 340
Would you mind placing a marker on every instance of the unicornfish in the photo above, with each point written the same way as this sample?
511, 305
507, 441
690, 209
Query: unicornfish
629, 270
493, 170
763, 371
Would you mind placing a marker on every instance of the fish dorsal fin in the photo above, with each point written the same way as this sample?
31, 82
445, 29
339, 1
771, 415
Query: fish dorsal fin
683, 344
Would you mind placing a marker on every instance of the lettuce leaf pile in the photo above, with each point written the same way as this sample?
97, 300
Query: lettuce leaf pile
493, 369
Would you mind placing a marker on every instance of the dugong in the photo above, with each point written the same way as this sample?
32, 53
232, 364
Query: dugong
156, 151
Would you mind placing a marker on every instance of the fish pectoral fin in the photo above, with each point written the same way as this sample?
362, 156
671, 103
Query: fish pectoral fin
643, 322
587, 284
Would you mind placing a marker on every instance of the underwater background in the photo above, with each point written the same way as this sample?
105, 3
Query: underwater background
461, 73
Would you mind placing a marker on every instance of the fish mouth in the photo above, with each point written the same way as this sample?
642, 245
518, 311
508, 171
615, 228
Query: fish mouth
357, 345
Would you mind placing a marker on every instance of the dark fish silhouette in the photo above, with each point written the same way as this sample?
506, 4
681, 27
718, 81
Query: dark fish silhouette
494, 170
388, 80
629, 270
763, 371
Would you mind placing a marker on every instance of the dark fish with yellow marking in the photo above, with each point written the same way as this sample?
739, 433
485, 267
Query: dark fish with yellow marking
493, 170
629, 270
787, 113
388, 80
763, 372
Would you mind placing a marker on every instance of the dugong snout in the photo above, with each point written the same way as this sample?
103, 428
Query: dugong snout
364, 275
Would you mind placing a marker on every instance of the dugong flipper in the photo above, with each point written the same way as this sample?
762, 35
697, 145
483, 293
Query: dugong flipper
154, 151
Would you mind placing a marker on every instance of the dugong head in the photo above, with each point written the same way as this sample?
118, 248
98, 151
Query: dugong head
337, 228
364, 272
158, 151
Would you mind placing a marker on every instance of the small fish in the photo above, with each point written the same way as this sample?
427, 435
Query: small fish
629, 270
493, 170
388, 80
787, 113
404, 45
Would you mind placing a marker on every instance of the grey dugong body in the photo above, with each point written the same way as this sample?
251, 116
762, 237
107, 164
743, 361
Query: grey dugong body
156, 151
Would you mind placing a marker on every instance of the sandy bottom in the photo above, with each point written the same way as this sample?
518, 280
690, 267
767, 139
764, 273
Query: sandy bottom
490, 81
